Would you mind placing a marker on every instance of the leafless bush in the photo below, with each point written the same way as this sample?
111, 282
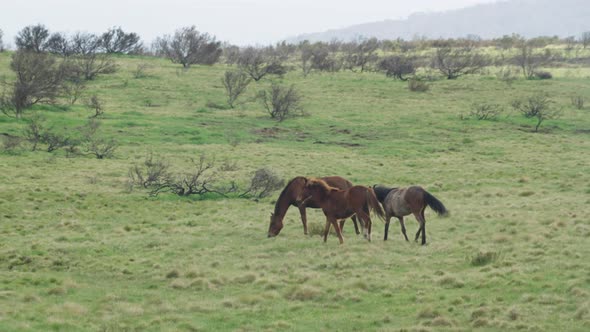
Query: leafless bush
196, 181
280, 101
484, 111
96, 105
529, 62
542, 75
39, 79
32, 38
360, 54
258, 63
88, 62
189, 46
507, 75
141, 70
538, 106
150, 173
10, 143
54, 140
115, 40
235, 83
73, 88
417, 85
455, 62
34, 130
101, 148
398, 66
263, 183
578, 102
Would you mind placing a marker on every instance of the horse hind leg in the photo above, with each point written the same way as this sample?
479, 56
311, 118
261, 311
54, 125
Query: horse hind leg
338, 230
403, 226
422, 229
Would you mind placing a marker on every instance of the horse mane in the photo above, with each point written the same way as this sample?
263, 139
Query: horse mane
319, 183
284, 192
381, 191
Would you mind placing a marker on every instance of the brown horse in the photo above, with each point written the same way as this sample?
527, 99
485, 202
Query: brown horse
292, 194
400, 202
340, 204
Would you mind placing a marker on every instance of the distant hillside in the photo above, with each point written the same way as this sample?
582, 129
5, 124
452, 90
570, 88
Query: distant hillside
529, 18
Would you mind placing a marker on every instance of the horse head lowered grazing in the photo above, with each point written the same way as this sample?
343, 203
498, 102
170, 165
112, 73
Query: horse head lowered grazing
340, 204
400, 202
293, 194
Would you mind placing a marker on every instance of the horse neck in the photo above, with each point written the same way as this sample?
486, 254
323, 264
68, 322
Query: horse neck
283, 203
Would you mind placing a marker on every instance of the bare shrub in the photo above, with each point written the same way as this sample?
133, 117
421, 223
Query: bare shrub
507, 75
34, 130
578, 102
196, 181
529, 62
54, 140
10, 143
115, 40
32, 38
258, 63
87, 61
101, 148
141, 70
280, 101
417, 85
455, 62
96, 105
542, 75
484, 111
39, 79
235, 83
263, 183
73, 88
398, 66
360, 54
151, 172
538, 106
189, 46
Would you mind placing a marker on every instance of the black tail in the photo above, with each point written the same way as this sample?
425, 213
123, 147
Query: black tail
435, 204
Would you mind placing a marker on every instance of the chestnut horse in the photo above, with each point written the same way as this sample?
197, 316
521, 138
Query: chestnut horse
400, 202
292, 194
340, 204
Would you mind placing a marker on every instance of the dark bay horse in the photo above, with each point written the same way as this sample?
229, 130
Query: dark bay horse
340, 204
400, 202
292, 194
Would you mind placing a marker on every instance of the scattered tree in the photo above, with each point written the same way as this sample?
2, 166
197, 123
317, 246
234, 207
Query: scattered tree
188, 46
453, 62
259, 62
398, 66
280, 101
88, 62
484, 111
263, 183
538, 106
361, 54
58, 44
33, 132
235, 83
115, 40
96, 105
530, 62
32, 38
39, 79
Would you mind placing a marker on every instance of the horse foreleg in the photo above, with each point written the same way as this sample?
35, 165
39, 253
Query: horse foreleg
338, 230
327, 229
401, 222
341, 222
387, 220
303, 218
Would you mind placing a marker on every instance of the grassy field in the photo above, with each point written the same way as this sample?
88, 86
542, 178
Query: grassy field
79, 251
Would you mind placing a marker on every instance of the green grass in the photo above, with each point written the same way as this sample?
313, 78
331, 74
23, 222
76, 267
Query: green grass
80, 252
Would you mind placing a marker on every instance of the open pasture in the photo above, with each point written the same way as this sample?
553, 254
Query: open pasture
79, 251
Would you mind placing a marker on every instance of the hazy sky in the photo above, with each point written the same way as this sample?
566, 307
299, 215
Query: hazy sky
237, 21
